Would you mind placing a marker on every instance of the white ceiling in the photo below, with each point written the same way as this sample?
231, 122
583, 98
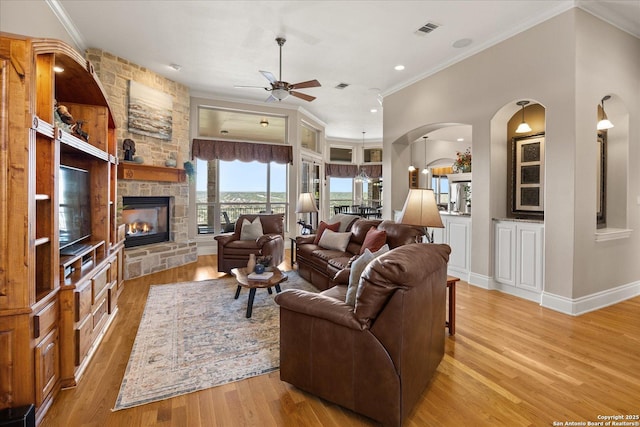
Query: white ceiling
220, 44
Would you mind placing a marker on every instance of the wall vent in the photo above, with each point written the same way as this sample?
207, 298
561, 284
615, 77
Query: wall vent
342, 85
427, 28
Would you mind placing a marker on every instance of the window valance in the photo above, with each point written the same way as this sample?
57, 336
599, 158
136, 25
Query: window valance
207, 149
338, 170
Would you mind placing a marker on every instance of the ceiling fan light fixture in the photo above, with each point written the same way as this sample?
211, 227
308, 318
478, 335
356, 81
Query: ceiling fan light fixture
604, 122
280, 94
523, 127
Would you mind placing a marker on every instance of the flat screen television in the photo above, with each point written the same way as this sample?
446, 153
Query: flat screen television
74, 218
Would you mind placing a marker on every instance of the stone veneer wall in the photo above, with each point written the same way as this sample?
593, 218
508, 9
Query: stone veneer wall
114, 74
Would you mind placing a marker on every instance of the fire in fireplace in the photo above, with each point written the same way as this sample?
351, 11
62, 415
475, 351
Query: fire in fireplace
146, 220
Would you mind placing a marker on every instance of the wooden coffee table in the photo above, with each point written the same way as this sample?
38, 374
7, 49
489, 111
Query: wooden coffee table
244, 282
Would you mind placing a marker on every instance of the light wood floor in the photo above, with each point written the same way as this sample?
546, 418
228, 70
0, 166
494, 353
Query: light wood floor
511, 363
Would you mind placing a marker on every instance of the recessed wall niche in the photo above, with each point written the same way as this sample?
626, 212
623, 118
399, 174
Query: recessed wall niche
612, 182
525, 164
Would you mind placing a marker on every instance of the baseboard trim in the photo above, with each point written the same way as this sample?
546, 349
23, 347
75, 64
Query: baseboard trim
480, 280
587, 303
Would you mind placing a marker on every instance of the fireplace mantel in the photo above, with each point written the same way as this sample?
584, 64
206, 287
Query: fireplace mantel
140, 172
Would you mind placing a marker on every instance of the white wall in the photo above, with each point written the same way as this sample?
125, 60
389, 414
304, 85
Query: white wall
538, 64
608, 63
32, 18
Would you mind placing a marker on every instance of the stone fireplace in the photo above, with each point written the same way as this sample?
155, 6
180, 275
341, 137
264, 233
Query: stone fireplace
153, 256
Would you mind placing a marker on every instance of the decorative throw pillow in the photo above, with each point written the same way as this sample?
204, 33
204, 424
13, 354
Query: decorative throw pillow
336, 241
374, 240
324, 226
357, 268
251, 230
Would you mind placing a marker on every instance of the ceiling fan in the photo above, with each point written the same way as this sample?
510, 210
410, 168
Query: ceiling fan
280, 89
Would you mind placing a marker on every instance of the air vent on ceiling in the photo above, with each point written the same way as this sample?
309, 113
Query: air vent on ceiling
427, 28
342, 85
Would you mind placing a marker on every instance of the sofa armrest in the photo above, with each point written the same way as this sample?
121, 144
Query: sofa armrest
342, 277
306, 239
260, 241
224, 239
320, 306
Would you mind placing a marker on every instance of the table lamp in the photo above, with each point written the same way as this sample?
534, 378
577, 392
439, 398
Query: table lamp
306, 204
420, 208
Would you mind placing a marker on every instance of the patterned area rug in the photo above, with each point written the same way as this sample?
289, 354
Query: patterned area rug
195, 335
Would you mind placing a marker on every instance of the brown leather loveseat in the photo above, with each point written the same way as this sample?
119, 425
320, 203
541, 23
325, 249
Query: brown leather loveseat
319, 265
378, 357
233, 251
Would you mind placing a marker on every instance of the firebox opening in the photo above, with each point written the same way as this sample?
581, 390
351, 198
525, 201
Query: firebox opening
146, 220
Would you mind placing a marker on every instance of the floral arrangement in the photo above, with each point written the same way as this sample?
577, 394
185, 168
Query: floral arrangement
463, 161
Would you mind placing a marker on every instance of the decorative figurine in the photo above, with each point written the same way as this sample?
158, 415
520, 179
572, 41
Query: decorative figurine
129, 148
77, 130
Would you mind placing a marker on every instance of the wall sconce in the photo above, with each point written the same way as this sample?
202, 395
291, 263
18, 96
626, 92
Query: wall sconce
264, 123
523, 127
603, 121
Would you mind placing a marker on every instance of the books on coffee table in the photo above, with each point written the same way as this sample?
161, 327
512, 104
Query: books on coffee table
262, 276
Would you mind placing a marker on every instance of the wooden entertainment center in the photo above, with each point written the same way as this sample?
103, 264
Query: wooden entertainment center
54, 309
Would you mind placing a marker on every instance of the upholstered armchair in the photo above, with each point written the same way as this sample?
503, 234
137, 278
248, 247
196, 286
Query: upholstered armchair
378, 357
261, 235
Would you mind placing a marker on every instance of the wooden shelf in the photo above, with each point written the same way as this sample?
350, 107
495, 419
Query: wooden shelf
41, 241
137, 171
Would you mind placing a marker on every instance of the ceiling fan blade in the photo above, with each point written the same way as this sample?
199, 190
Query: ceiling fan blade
269, 76
302, 85
302, 96
251, 87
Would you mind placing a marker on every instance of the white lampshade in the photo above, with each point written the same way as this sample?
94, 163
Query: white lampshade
603, 121
306, 203
420, 208
523, 128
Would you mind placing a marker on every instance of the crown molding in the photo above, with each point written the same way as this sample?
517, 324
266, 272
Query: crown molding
67, 23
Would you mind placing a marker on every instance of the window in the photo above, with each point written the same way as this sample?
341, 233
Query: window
338, 154
241, 126
226, 190
309, 138
372, 155
372, 193
440, 186
341, 192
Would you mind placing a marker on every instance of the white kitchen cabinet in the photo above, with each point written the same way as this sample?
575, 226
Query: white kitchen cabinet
519, 255
457, 234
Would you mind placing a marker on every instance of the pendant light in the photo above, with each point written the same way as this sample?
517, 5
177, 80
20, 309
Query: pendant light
523, 127
604, 122
411, 167
362, 176
425, 170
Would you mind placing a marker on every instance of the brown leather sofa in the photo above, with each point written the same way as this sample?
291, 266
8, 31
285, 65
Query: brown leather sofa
378, 357
319, 266
233, 252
